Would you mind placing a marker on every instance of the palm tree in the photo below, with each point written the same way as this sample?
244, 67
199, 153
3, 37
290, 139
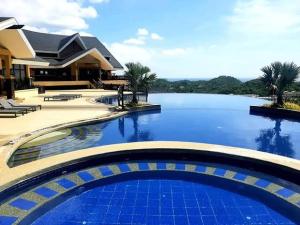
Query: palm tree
147, 81
136, 73
277, 77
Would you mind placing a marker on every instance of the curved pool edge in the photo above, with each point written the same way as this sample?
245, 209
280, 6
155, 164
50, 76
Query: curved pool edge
11, 176
71, 182
9, 148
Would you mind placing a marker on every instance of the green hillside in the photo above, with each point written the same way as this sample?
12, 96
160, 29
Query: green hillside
219, 85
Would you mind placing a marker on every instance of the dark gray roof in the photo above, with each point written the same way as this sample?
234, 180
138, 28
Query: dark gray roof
93, 42
67, 39
56, 62
4, 18
43, 42
36, 59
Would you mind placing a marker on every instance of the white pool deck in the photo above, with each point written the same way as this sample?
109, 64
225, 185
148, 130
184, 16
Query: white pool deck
53, 112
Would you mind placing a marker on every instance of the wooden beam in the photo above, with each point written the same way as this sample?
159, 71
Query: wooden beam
4, 51
28, 71
74, 71
8, 66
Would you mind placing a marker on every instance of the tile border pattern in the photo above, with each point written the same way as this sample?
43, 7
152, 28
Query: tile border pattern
16, 209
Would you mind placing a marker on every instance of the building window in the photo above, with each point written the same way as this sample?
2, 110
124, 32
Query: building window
19, 71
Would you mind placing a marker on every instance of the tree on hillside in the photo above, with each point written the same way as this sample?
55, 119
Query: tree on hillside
278, 76
139, 76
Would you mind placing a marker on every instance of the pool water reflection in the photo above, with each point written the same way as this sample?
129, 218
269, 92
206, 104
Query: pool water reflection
214, 119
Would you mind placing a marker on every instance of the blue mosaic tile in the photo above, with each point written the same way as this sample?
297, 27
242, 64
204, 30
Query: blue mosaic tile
65, 183
211, 220
220, 172
143, 166
240, 176
161, 166
195, 220
7, 220
262, 183
180, 166
124, 167
125, 219
45, 192
105, 171
160, 201
286, 193
200, 169
23, 204
181, 220
166, 220
86, 176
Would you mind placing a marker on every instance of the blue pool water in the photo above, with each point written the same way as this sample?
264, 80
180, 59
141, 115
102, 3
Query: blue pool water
161, 201
214, 119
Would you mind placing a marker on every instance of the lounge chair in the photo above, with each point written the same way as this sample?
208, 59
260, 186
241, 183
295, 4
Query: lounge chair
12, 112
8, 106
71, 95
56, 98
14, 104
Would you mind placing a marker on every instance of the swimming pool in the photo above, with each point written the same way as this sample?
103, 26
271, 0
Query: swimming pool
160, 192
206, 118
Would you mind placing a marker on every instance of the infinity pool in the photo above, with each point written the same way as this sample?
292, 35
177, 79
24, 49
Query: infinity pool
214, 119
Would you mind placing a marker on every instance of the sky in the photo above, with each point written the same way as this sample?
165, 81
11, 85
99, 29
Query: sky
176, 38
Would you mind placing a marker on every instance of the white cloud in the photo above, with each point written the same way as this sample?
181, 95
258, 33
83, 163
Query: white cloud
83, 33
70, 32
129, 53
174, 52
99, 1
134, 41
48, 14
266, 16
142, 32
37, 29
157, 37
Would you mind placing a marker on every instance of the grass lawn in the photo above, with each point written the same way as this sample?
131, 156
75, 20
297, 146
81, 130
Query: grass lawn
287, 105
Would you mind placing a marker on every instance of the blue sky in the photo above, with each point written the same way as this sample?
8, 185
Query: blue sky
175, 38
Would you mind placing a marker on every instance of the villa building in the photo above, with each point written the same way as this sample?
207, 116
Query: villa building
31, 58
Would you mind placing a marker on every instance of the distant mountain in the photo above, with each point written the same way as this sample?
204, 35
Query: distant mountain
219, 85
201, 78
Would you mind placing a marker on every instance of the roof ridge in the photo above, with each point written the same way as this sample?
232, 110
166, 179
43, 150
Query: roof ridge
46, 33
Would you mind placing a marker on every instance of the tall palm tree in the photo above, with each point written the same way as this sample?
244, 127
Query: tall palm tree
147, 81
136, 73
278, 76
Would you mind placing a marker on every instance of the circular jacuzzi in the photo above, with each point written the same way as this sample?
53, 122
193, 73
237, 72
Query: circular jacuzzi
170, 187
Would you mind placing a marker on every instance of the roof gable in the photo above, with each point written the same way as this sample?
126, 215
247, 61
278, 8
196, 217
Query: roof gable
54, 43
70, 39
93, 42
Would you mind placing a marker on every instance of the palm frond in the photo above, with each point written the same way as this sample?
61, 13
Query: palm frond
267, 77
289, 74
276, 69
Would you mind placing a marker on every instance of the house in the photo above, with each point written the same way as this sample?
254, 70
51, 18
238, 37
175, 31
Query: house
53, 61
73, 60
16, 54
